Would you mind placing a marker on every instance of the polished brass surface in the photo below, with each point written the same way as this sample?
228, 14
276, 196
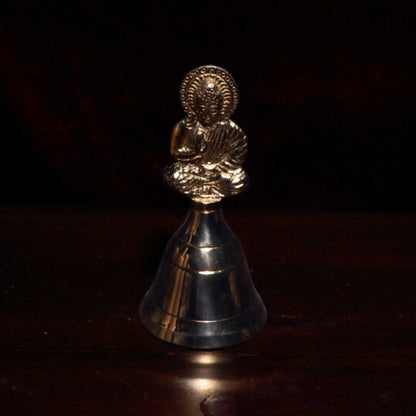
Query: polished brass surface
208, 146
203, 295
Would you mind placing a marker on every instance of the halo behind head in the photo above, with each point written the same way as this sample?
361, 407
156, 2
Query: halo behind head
193, 83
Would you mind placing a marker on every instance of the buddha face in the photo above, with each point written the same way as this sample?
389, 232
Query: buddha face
208, 102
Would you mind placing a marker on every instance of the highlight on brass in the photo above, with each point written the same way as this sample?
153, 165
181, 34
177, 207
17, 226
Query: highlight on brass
208, 146
203, 295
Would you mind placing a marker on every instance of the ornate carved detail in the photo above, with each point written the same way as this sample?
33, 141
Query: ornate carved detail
208, 146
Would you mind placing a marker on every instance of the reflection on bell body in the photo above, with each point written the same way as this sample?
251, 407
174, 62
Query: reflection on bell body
203, 296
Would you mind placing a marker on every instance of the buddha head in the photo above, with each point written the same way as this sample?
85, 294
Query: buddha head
209, 94
208, 102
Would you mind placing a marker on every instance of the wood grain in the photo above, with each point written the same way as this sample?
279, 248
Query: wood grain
89, 94
340, 338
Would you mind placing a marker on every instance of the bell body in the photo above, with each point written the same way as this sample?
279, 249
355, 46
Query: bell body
203, 295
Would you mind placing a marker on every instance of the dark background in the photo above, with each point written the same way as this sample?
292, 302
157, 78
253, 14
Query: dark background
89, 95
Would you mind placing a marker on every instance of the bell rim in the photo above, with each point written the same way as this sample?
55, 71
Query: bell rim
198, 334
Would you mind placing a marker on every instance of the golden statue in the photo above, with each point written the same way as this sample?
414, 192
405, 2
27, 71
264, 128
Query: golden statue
208, 146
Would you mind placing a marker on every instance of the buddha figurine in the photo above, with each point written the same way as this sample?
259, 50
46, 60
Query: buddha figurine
208, 146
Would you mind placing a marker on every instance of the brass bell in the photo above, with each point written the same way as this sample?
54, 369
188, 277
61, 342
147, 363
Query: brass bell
203, 295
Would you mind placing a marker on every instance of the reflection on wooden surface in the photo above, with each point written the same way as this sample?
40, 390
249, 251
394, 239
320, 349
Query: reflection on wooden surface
339, 340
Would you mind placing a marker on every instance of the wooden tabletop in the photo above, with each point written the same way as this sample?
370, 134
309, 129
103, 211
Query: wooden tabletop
340, 338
